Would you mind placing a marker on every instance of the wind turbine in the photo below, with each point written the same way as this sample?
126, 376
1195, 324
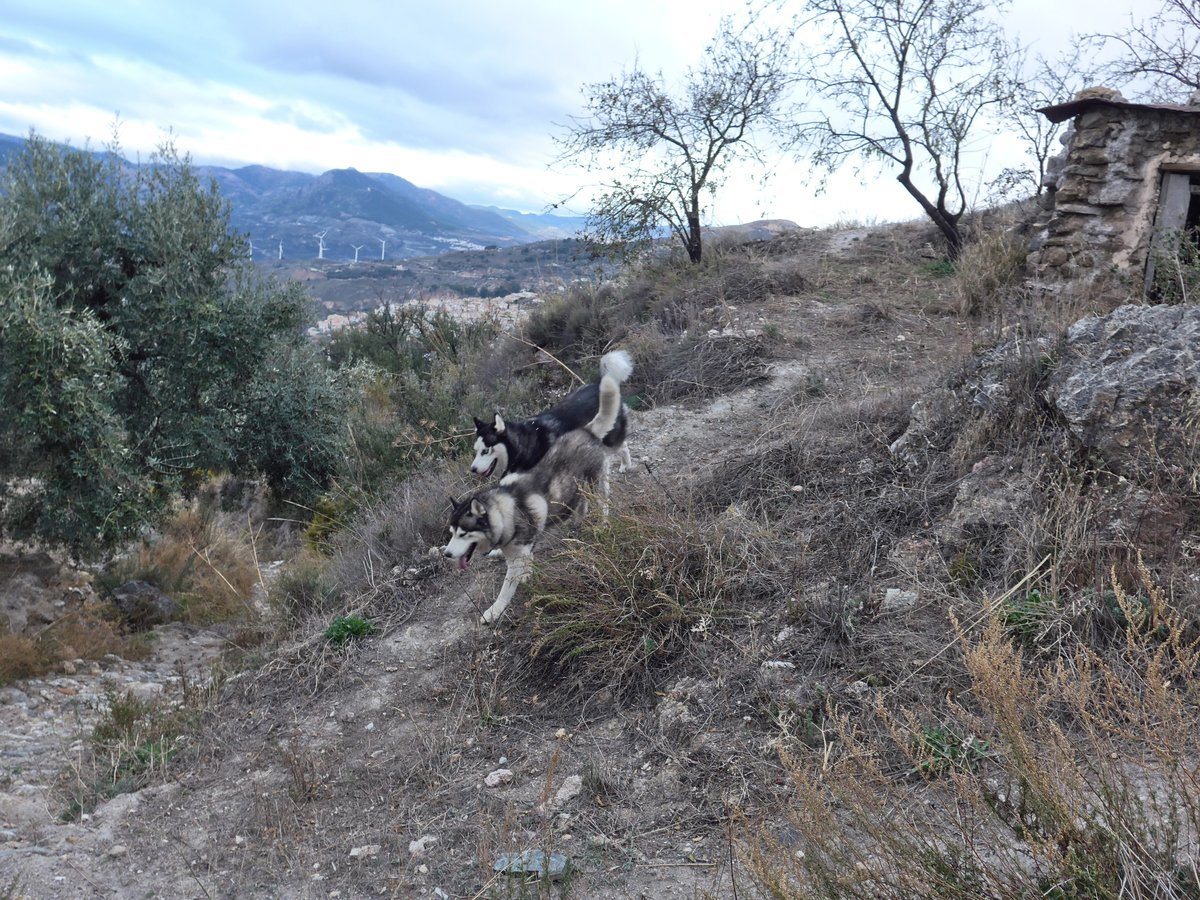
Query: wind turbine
382, 246
356, 249
281, 249
251, 243
321, 243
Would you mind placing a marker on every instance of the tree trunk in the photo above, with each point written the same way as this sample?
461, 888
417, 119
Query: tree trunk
693, 238
946, 223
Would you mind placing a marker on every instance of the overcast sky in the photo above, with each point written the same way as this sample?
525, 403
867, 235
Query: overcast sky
460, 97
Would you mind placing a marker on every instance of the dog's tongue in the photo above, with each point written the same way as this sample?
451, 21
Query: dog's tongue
462, 561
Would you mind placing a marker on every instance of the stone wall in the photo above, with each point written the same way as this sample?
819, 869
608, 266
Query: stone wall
1106, 190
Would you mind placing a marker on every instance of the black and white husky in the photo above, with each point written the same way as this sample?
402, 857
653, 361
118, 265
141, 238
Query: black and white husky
511, 515
502, 448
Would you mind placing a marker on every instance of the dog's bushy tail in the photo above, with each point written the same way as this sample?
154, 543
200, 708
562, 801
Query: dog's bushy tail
610, 406
617, 365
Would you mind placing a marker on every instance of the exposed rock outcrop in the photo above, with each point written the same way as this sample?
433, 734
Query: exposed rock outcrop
1127, 387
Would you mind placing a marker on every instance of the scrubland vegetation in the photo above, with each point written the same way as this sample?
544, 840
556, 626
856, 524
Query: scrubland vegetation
869, 659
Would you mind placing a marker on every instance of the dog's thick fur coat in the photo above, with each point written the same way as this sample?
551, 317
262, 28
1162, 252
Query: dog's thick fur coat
511, 515
505, 448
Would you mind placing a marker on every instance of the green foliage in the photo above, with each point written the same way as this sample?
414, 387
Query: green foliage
942, 748
1176, 258
422, 374
1024, 616
344, 629
139, 350
941, 268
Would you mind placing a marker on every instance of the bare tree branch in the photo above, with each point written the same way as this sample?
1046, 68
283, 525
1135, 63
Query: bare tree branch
672, 148
1162, 51
911, 83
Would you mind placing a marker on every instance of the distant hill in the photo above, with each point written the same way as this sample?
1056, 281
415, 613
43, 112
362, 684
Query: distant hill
546, 226
277, 209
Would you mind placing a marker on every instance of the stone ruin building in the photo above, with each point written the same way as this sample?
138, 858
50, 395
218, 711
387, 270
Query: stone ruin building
1129, 173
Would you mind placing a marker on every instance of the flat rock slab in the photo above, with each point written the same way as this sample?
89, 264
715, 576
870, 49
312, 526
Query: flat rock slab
533, 862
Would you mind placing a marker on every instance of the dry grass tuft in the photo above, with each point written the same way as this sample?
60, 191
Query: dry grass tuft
625, 596
989, 270
210, 570
81, 634
1074, 778
134, 743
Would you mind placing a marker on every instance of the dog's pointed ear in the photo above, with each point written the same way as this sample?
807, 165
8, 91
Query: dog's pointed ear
477, 508
499, 424
480, 425
453, 502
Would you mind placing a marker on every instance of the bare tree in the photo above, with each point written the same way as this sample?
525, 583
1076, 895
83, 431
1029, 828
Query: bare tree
908, 83
672, 148
1037, 83
1162, 50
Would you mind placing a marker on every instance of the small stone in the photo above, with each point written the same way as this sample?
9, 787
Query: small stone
785, 633
366, 850
571, 788
503, 760
858, 688
116, 851
418, 847
561, 734
498, 777
423, 869
778, 664
896, 598
68, 667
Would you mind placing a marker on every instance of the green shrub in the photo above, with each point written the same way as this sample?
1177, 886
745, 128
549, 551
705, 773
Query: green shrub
344, 629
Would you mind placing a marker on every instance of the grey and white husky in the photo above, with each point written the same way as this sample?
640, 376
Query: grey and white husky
511, 515
502, 448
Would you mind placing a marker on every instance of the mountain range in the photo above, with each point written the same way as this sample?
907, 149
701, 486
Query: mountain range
295, 215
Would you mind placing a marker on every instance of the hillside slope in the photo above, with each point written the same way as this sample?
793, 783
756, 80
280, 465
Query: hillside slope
800, 439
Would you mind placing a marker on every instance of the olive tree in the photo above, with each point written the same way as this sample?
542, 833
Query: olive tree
140, 350
909, 84
669, 147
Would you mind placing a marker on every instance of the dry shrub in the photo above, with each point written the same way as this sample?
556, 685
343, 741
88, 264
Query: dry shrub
989, 269
20, 657
399, 528
1083, 780
700, 367
133, 744
81, 634
303, 588
208, 569
626, 595
666, 292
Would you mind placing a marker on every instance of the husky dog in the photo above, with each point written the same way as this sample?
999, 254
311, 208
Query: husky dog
504, 448
511, 515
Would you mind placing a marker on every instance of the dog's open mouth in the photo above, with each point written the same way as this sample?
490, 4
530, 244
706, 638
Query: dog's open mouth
466, 557
490, 469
